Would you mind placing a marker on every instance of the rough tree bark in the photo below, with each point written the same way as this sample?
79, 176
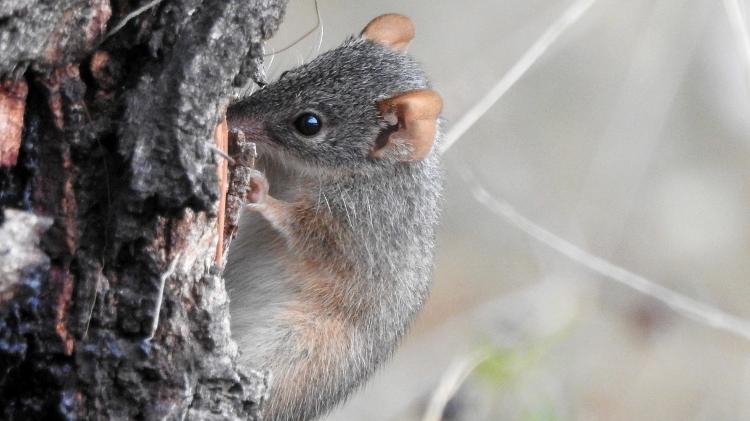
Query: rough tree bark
111, 306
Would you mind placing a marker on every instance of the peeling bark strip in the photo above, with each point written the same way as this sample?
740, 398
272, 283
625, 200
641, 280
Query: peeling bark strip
12, 104
243, 153
111, 306
222, 143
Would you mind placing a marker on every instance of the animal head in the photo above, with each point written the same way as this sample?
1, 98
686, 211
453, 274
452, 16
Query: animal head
364, 104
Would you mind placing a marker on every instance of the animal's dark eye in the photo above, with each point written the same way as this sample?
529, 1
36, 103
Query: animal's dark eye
308, 124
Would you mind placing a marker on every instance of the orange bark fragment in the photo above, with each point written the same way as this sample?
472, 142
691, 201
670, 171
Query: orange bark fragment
12, 107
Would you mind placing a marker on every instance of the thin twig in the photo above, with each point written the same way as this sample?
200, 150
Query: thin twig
317, 23
451, 381
219, 152
553, 32
684, 305
97, 289
665, 44
738, 23
688, 307
130, 17
160, 299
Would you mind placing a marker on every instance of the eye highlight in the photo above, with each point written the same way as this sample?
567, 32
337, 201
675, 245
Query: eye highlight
308, 124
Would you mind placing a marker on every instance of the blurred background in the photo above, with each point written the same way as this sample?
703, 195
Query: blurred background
629, 138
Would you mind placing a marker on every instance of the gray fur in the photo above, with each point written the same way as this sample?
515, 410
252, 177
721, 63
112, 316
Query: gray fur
385, 213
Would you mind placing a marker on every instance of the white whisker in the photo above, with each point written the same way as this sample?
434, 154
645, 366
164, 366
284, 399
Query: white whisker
252, 89
369, 212
267, 69
328, 204
344, 197
316, 51
346, 207
320, 190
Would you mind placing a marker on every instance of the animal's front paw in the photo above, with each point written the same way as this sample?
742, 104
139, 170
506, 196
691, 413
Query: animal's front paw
258, 189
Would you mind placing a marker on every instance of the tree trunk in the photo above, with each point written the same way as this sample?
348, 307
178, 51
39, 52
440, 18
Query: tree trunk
111, 306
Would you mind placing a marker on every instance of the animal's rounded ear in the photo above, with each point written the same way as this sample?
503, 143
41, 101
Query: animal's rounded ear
415, 114
392, 30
